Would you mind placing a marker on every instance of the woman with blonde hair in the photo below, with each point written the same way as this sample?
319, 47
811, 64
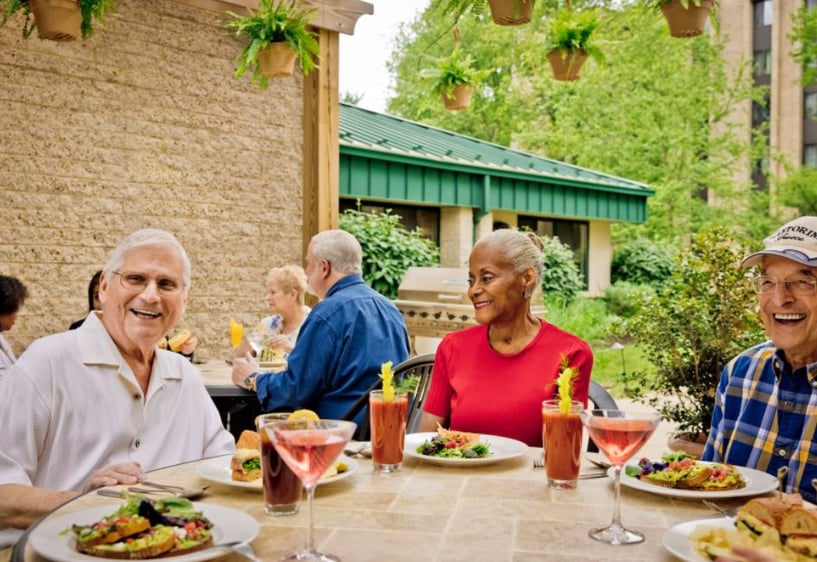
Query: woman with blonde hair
286, 286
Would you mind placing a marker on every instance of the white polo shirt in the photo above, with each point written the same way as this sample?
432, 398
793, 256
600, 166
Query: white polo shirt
72, 405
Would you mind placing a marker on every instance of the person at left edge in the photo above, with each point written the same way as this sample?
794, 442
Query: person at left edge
343, 342
101, 405
12, 296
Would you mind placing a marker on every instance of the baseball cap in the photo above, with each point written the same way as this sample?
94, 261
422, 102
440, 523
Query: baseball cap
795, 240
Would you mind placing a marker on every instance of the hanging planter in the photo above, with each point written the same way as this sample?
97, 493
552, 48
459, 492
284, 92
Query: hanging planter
277, 27
58, 20
454, 77
511, 12
568, 42
277, 59
460, 97
567, 64
686, 18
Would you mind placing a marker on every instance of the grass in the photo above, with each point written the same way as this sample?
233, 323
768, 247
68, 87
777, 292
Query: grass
589, 319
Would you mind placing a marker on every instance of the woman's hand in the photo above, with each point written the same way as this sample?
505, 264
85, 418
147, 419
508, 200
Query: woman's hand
280, 342
122, 473
188, 347
243, 367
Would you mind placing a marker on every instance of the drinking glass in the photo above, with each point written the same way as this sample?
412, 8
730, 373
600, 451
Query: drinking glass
236, 333
619, 435
256, 339
562, 441
309, 448
387, 422
282, 487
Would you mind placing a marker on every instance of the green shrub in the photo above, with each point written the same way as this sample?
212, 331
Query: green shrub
584, 317
561, 278
622, 297
692, 328
641, 262
389, 249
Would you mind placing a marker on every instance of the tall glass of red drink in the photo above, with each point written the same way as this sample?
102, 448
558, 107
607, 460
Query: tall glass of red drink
562, 441
619, 435
282, 487
387, 423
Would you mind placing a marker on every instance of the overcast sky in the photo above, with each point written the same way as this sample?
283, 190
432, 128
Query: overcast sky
363, 55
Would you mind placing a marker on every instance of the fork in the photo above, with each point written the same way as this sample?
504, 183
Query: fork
728, 513
539, 461
242, 548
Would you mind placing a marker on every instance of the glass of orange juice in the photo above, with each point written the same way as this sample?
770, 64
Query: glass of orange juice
562, 440
236, 333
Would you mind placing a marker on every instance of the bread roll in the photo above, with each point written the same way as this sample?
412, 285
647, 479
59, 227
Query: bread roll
248, 440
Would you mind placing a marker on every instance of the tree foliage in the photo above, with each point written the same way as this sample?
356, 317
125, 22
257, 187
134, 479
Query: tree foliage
657, 112
561, 280
692, 328
389, 249
804, 40
799, 190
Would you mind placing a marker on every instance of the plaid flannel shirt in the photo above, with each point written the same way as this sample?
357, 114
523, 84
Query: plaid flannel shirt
765, 418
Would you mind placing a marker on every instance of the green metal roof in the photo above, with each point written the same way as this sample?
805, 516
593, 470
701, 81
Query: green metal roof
387, 158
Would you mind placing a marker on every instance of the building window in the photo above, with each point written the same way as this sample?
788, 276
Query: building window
810, 4
763, 13
574, 234
762, 63
760, 113
810, 155
810, 104
427, 219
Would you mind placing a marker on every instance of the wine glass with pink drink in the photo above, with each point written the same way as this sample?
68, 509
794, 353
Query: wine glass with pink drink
619, 435
309, 448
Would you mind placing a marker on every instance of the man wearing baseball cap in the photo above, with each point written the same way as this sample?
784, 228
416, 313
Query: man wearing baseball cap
766, 403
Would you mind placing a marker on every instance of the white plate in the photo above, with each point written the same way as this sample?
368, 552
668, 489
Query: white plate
757, 482
218, 470
676, 540
228, 525
501, 448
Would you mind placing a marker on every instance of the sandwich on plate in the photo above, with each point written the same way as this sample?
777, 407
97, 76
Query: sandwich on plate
245, 465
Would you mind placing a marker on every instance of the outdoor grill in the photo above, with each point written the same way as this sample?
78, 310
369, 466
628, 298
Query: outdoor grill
434, 301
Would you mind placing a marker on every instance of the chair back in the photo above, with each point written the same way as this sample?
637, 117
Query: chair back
420, 365
599, 398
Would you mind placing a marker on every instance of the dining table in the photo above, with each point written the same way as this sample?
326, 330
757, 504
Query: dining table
499, 512
237, 406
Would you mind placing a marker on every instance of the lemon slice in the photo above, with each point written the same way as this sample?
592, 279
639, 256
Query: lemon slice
304, 414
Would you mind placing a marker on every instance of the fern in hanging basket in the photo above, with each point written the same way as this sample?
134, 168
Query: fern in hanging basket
90, 11
275, 22
571, 31
453, 70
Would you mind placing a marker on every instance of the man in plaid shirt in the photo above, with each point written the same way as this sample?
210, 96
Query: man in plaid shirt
766, 402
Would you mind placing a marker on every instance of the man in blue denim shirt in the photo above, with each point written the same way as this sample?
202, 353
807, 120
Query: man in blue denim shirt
343, 341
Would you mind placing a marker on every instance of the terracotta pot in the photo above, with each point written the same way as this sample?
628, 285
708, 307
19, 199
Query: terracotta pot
568, 67
511, 12
686, 22
277, 59
460, 99
688, 444
56, 20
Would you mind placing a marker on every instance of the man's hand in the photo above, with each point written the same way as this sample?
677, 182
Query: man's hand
243, 367
122, 473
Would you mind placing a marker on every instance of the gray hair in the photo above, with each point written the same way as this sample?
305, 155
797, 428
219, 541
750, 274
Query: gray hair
523, 250
148, 237
339, 248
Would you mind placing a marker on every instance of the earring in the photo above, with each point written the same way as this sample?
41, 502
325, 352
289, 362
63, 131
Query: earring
527, 293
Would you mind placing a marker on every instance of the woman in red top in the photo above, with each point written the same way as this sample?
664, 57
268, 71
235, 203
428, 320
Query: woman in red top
492, 378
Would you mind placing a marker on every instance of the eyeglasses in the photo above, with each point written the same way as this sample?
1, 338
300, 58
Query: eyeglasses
797, 285
138, 282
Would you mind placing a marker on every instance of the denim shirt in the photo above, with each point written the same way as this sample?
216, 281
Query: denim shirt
341, 346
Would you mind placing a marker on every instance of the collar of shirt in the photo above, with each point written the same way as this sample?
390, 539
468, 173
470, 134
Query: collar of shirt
97, 347
782, 367
344, 282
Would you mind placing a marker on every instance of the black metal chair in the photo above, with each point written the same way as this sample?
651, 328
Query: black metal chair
599, 398
421, 366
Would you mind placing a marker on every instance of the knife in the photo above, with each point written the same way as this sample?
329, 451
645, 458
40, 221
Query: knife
592, 475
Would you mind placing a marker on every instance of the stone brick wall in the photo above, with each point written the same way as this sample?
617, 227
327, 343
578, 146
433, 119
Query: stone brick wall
144, 125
